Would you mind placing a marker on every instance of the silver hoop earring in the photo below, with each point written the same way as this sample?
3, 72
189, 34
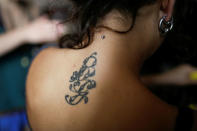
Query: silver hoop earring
165, 26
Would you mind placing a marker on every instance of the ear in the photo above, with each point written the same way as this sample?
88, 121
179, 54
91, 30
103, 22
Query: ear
167, 7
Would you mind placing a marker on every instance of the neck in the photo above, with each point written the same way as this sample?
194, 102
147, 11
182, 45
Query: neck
125, 50
133, 56
130, 50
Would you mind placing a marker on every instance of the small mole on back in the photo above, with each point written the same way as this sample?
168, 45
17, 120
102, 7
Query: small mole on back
103, 37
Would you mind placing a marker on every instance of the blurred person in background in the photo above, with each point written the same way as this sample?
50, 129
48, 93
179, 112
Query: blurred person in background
22, 30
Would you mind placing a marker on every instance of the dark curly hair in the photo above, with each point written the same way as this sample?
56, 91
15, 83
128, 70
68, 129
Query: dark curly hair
87, 13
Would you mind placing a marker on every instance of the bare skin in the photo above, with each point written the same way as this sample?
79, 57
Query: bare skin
119, 101
179, 76
21, 29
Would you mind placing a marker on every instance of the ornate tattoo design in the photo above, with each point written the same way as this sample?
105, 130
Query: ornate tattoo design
81, 82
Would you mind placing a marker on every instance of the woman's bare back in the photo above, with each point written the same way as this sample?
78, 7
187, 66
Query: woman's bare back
91, 89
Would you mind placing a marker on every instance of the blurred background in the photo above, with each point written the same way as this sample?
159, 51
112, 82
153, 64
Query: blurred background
29, 26
26, 27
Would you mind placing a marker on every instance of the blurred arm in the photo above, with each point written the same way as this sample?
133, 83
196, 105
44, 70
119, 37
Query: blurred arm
42, 30
180, 76
11, 40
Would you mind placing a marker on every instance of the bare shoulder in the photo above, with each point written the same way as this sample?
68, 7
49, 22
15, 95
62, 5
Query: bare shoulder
51, 64
43, 87
41, 68
46, 55
41, 65
44, 72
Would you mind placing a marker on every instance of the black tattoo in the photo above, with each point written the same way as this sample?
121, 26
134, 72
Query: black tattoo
81, 82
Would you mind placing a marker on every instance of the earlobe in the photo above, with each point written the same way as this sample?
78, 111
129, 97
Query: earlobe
166, 22
164, 4
167, 7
